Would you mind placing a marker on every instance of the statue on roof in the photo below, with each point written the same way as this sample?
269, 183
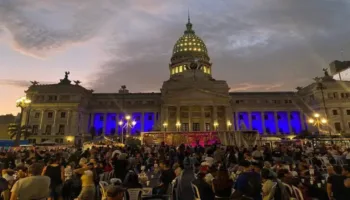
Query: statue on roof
317, 79
65, 80
325, 70
34, 82
66, 74
77, 82
298, 88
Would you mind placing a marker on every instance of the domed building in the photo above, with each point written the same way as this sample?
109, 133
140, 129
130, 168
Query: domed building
190, 101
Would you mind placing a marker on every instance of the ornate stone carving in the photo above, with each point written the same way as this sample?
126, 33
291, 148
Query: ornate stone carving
34, 82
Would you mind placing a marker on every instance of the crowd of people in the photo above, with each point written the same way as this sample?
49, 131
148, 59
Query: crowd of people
181, 173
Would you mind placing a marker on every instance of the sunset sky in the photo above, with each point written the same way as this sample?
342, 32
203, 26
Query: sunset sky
255, 45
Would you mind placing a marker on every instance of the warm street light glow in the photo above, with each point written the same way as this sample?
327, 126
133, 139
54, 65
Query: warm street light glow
216, 124
128, 117
165, 124
323, 121
120, 122
133, 123
229, 123
23, 102
311, 121
178, 124
316, 115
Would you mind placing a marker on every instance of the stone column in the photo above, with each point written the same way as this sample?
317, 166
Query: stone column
178, 110
156, 121
189, 118
54, 122
104, 126
250, 126
67, 128
41, 120
276, 122
302, 122
228, 114
236, 121
263, 122
215, 118
202, 119
290, 127
142, 122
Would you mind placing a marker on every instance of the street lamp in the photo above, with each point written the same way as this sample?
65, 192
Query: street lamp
165, 125
229, 125
317, 121
178, 126
127, 124
22, 103
216, 124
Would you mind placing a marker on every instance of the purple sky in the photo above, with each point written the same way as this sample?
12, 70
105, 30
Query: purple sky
254, 45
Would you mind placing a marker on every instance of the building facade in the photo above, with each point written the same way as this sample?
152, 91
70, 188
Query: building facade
190, 100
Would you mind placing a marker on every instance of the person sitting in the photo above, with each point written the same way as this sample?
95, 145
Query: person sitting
248, 184
166, 178
267, 184
131, 180
222, 185
27, 188
205, 191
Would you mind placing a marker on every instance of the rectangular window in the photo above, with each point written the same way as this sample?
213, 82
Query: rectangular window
266, 117
35, 129
335, 112
196, 127
49, 114
268, 130
101, 118
61, 129
112, 131
52, 98
207, 126
349, 124
150, 117
337, 126
180, 70
184, 127
37, 115
241, 117
253, 117
63, 114
347, 112
48, 130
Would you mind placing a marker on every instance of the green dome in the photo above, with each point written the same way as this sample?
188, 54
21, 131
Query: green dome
190, 43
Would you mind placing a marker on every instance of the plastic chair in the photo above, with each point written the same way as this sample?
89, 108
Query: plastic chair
273, 190
103, 189
197, 195
134, 194
289, 189
298, 194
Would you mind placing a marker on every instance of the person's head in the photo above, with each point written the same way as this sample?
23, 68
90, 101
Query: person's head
82, 162
115, 192
267, 165
35, 169
257, 166
265, 174
346, 170
164, 164
246, 165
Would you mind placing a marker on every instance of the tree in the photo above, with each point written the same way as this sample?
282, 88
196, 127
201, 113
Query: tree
92, 132
16, 131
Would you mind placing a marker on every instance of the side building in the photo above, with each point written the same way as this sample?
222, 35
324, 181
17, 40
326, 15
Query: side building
191, 100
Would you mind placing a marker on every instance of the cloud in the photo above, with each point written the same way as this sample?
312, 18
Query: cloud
41, 27
18, 83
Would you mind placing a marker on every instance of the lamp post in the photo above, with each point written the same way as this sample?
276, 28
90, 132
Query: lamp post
320, 86
229, 125
216, 125
317, 121
165, 125
22, 103
178, 126
127, 123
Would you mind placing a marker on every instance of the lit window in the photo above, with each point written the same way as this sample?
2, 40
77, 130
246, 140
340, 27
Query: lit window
180, 69
193, 40
180, 49
195, 49
172, 71
185, 49
190, 49
208, 70
185, 43
199, 49
176, 69
190, 43
205, 69
180, 44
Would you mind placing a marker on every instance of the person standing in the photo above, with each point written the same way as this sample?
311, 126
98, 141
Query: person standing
56, 173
